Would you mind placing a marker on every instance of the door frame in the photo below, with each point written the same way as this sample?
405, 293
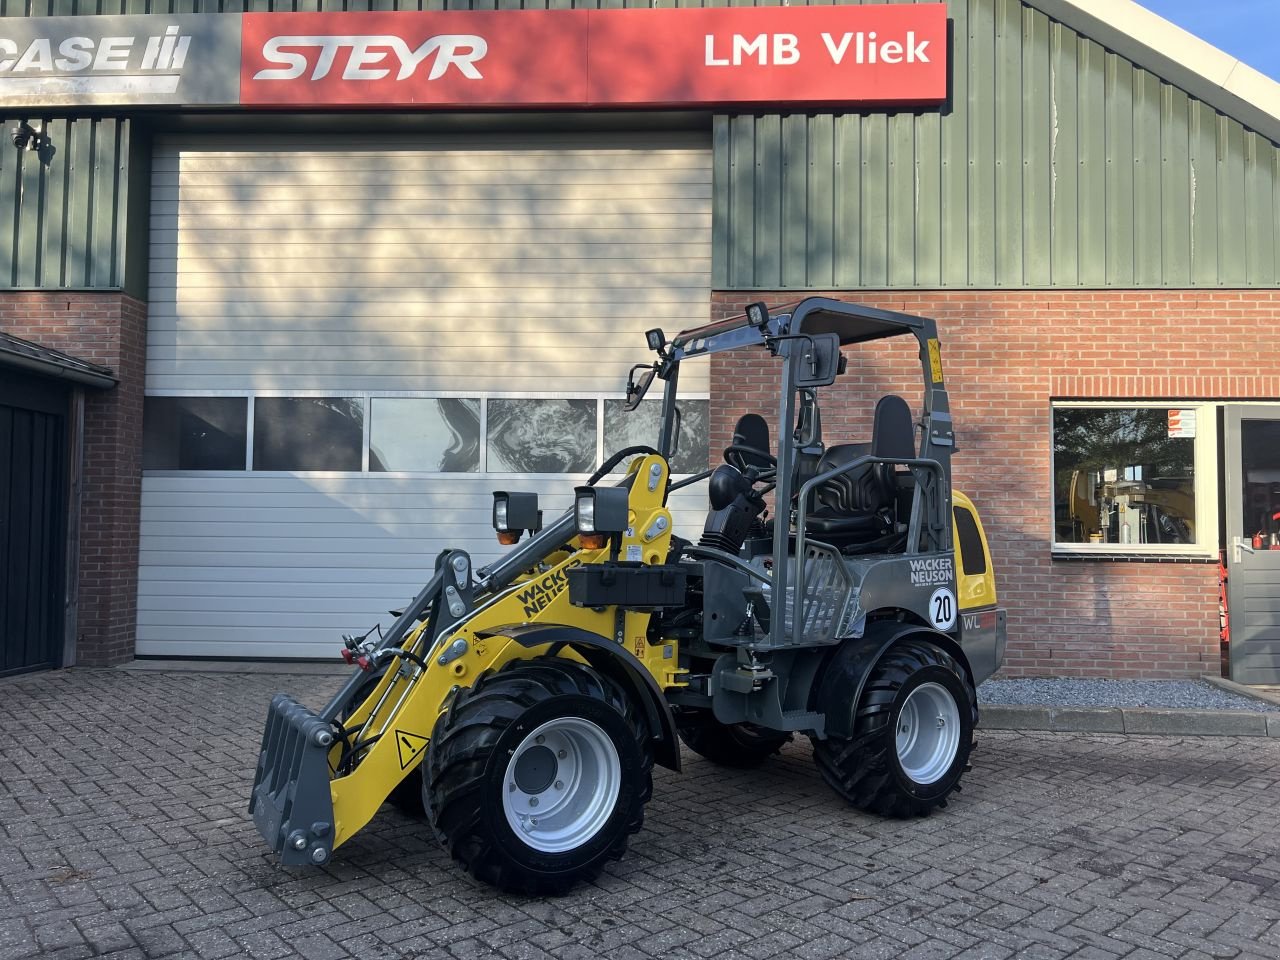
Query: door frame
1235, 541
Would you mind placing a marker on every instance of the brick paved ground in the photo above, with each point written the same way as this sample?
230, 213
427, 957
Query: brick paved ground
123, 833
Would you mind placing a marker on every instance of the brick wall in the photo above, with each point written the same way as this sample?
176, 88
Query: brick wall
108, 329
1006, 354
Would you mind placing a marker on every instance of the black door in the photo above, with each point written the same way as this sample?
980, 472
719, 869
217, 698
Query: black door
33, 506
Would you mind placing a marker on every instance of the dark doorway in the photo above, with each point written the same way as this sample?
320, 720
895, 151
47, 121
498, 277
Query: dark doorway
33, 508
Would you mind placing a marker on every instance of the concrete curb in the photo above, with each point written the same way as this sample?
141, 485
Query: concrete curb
1240, 690
1142, 720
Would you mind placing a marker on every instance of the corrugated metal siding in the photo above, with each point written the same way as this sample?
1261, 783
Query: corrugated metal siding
491, 263
1059, 165
267, 565
486, 264
63, 208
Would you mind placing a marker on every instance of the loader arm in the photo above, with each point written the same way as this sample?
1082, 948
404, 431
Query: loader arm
319, 781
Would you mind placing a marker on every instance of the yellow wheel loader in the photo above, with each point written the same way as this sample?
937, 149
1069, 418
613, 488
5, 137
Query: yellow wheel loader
526, 703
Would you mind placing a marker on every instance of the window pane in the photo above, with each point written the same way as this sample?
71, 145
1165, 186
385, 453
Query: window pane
1260, 450
307, 433
972, 558
1123, 476
643, 425
407, 433
194, 433
542, 436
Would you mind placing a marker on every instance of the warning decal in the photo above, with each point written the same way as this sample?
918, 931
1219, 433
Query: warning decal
935, 360
410, 746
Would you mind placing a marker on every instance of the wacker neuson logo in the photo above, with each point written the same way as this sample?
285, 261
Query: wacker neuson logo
928, 571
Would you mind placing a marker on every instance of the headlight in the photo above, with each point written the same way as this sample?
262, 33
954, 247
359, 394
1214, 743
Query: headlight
585, 512
500, 515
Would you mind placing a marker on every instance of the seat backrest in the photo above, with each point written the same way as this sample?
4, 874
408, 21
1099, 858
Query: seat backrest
893, 433
751, 430
873, 487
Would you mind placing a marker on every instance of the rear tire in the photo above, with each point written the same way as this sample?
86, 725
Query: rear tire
739, 745
536, 776
913, 732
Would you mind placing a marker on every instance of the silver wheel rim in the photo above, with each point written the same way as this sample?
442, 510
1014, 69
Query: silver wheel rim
928, 734
561, 784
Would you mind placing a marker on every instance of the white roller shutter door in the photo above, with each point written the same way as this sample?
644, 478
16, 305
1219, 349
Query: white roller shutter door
491, 273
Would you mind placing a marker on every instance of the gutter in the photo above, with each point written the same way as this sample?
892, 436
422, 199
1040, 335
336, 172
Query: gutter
88, 377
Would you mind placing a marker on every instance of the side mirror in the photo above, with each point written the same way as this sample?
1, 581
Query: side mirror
636, 389
818, 360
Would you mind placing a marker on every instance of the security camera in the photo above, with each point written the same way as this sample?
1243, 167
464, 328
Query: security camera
25, 137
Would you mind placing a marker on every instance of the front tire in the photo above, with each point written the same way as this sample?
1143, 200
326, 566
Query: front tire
537, 775
739, 745
913, 732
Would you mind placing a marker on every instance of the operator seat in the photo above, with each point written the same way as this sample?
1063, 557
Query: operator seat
859, 507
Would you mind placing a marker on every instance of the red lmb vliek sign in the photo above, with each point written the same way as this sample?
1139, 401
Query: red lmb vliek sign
890, 55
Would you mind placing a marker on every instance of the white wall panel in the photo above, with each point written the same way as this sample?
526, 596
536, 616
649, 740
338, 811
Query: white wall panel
527, 266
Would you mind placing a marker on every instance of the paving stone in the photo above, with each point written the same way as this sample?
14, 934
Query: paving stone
1086, 845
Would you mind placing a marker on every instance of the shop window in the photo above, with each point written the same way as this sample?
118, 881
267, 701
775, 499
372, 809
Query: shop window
541, 436
1130, 478
414, 434
194, 433
308, 433
642, 426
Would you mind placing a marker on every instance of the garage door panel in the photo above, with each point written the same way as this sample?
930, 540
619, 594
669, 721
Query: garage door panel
516, 267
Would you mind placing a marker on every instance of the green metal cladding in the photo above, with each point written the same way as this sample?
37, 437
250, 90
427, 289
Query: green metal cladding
1056, 164
63, 208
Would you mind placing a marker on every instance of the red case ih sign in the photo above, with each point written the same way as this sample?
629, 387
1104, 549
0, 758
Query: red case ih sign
748, 57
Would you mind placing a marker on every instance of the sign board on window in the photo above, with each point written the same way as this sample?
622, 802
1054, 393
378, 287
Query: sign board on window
1182, 424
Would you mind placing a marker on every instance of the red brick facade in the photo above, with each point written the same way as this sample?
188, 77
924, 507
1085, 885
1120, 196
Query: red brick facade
1006, 355
108, 329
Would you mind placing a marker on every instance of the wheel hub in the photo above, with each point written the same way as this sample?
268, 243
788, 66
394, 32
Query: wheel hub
928, 733
562, 784
535, 770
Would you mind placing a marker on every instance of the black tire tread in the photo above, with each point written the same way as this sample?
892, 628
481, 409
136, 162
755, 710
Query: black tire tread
858, 768
463, 740
739, 746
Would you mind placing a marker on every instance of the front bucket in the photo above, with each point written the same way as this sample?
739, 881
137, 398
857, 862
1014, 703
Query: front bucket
290, 802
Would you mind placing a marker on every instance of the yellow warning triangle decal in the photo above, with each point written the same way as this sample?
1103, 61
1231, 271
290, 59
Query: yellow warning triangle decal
410, 746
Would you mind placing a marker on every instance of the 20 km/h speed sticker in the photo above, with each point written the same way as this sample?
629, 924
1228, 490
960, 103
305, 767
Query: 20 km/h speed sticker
942, 608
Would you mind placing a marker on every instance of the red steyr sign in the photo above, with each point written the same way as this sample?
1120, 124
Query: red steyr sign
878, 55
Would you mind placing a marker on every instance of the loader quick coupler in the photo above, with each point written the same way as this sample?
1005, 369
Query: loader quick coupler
290, 803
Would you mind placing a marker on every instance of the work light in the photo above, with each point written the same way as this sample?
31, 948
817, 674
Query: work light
599, 512
514, 513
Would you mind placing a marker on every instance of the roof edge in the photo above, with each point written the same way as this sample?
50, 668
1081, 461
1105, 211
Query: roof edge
1181, 58
24, 355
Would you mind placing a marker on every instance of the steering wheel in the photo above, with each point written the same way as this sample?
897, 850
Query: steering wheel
736, 456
